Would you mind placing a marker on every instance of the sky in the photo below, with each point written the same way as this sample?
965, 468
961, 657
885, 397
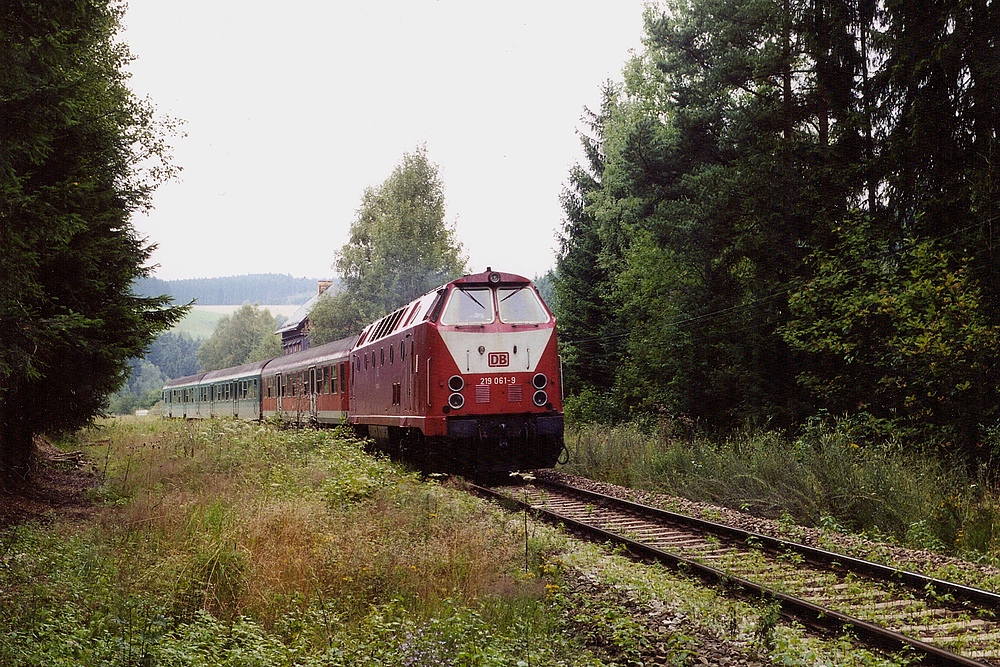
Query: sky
291, 110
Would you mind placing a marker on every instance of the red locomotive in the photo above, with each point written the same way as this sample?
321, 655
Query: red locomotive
464, 379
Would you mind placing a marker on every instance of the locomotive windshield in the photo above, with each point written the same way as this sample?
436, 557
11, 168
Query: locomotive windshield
520, 305
517, 305
469, 306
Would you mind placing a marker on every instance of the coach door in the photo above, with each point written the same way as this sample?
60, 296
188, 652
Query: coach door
312, 390
278, 392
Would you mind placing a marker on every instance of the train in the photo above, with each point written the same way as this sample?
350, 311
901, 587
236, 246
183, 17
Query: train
465, 379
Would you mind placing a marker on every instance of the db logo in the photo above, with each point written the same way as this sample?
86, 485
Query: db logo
498, 359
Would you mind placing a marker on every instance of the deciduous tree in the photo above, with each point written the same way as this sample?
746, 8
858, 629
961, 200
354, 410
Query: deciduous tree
243, 337
400, 247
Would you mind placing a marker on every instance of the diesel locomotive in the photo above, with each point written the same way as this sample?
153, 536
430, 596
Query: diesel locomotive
465, 379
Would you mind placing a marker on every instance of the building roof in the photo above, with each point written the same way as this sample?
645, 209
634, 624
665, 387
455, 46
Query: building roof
301, 315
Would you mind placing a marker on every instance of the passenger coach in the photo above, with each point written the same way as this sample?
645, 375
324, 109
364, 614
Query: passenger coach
309, 386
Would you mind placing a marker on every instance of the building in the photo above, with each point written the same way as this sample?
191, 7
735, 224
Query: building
294, 333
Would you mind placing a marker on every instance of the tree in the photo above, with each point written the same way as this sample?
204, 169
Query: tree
79, 154
243, 337
793, 192
400, 246
583, 282
337, 314
901, 335
175, 354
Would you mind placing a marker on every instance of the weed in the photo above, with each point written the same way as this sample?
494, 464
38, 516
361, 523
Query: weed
224, 542
831, 475
767, 620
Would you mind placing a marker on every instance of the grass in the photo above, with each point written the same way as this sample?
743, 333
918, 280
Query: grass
225, 543
830, 477
198, 323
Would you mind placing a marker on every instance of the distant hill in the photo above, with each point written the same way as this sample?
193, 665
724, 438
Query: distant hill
261, 288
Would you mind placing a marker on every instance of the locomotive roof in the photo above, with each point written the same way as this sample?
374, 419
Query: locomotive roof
485, 278
394, 321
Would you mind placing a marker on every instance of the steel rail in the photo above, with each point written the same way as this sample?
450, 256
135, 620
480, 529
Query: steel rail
918, 582
816, 616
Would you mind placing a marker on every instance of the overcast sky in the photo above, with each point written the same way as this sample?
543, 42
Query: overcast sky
292, 109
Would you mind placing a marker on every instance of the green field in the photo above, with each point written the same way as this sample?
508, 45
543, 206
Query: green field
201, 321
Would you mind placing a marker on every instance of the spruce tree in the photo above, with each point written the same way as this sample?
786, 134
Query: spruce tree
79, 154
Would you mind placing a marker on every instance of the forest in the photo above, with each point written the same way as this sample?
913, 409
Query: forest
265, 288
785, 213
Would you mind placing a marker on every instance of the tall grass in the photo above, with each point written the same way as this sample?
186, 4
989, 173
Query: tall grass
830, 475
224, 543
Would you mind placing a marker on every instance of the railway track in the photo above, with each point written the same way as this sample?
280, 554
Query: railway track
889, 609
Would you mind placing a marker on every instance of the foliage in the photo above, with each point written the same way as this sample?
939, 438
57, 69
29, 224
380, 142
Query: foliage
243, 337
400, 248
175, 354
79, 154
336, 315
172, 355
900, 335
761, 154
141, 391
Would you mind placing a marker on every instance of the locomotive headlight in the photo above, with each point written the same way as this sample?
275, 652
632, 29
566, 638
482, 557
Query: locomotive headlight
494, 278
539, 381
456, 383
456, 401
540, 398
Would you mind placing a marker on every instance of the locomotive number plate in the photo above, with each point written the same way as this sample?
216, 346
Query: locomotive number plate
498, 359
491, 380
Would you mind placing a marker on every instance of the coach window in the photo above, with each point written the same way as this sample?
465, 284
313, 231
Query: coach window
343, 378
469, 306
381, 356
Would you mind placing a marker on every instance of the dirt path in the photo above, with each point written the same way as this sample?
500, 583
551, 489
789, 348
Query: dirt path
57, 484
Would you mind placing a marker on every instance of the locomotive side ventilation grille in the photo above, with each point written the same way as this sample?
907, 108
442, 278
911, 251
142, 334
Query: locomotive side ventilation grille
482, 393
515, 393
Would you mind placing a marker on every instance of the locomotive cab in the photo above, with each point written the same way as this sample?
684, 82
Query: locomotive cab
502, 401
